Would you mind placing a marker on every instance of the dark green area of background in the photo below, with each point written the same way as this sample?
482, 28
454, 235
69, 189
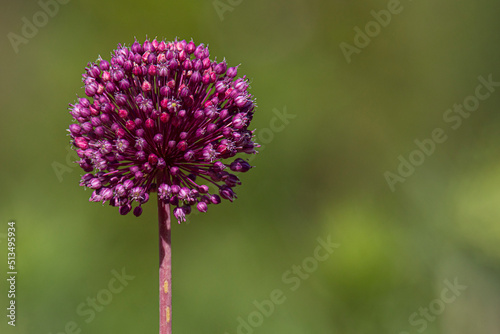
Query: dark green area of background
320, 176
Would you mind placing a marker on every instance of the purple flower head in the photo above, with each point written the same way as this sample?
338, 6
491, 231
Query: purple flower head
162, 117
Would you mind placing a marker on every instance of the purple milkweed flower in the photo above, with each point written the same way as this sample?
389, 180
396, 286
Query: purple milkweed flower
162, 116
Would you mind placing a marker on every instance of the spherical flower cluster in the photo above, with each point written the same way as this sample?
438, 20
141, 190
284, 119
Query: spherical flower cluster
162, 117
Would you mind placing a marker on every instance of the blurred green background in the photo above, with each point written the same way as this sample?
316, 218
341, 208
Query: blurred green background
321, 176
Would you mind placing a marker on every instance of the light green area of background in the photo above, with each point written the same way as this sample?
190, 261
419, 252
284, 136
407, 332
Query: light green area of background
320, 176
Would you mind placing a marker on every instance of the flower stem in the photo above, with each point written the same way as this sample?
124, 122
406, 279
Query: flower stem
165, 268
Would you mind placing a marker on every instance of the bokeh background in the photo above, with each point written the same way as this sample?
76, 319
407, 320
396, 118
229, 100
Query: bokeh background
320, 176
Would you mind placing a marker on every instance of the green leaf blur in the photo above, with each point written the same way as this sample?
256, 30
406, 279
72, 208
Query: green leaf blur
379, 133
